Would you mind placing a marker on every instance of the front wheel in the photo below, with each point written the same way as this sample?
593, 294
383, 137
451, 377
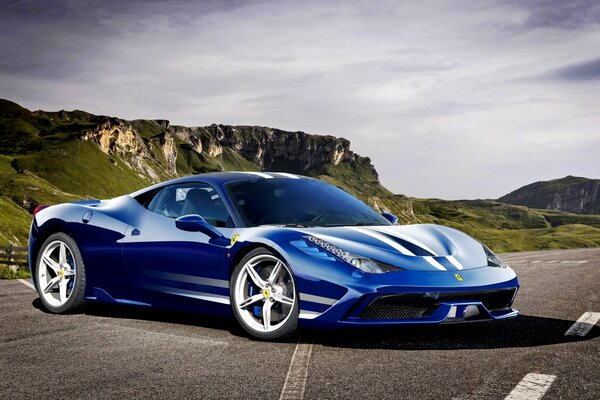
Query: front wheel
60, 274
264, 296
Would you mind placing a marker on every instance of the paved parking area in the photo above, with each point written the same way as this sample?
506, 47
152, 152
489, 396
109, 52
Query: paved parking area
112, 352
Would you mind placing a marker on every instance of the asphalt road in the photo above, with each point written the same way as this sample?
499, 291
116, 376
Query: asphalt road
113, 352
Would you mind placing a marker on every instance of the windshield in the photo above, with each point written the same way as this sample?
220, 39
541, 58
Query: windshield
301, 202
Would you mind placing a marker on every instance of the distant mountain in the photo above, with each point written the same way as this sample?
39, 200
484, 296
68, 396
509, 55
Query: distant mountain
55, 157
571, 194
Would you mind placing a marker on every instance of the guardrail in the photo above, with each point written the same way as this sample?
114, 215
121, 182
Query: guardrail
13, 256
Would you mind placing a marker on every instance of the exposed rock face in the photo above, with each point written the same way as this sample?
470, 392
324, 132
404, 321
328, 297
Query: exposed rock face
170, 151
115, 136
270, 149
273, 149
572, 194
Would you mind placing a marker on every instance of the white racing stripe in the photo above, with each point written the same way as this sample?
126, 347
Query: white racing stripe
436, 264
295, 380
267, 176
383, 239
317, 299
532, 387
454, 262
199, 280
396, 246
288, 175
308, 314
215, 298
26, 283
584, 324
393, 232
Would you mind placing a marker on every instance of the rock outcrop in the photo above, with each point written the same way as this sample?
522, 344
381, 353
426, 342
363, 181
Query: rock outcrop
268, 149
115, 136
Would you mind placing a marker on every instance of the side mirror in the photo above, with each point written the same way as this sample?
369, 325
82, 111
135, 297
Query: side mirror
390, 217
195, 223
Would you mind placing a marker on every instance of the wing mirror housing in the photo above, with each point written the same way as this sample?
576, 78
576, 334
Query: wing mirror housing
390, 217
195, 223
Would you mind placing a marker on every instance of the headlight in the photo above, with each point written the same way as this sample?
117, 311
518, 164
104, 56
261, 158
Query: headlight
364, 264
492, 259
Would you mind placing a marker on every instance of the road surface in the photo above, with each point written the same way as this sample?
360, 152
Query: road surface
111, 352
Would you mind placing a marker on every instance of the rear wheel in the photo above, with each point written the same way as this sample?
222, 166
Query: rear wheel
264, 296
60, 274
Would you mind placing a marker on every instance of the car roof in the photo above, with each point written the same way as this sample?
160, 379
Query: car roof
221, 178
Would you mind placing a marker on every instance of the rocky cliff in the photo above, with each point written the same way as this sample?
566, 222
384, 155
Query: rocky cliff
572, 194
148, 151
139, 142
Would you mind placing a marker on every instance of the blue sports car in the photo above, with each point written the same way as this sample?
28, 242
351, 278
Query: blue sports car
275, 250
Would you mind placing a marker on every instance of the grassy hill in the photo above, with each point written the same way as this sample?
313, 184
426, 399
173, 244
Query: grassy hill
570, 194
53, 157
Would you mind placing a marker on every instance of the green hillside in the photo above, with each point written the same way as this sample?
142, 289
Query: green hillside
54, 157
571, 194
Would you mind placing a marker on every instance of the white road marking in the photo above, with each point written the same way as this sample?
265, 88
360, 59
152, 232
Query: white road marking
295, 380
531, 387
566, 262
27, 283
541, 254
169, 336
584, 324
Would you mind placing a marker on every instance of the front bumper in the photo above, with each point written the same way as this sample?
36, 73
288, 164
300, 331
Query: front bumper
419, 297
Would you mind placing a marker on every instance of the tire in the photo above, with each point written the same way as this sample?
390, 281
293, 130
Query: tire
60, 277
251, 294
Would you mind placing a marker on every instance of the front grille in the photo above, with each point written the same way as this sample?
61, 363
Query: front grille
420, 305
492, 299
381, 309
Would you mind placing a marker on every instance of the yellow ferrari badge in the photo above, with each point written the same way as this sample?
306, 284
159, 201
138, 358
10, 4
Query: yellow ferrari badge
458, 277
234, 239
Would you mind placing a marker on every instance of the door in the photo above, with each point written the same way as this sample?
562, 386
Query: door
166, 263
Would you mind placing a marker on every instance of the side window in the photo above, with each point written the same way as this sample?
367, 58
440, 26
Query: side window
191, 198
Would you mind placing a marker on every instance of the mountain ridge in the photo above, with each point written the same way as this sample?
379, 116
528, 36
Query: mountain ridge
52, 157
572, 194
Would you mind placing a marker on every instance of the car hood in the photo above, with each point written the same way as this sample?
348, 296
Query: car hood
412, 247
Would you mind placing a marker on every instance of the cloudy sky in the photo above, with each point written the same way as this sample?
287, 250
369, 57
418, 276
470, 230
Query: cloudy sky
450, 99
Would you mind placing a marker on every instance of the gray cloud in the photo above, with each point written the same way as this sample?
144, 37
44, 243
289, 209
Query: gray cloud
584, 71
432, 91
572, 14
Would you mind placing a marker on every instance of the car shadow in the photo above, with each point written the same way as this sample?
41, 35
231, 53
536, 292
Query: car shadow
523, 331
106, 310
